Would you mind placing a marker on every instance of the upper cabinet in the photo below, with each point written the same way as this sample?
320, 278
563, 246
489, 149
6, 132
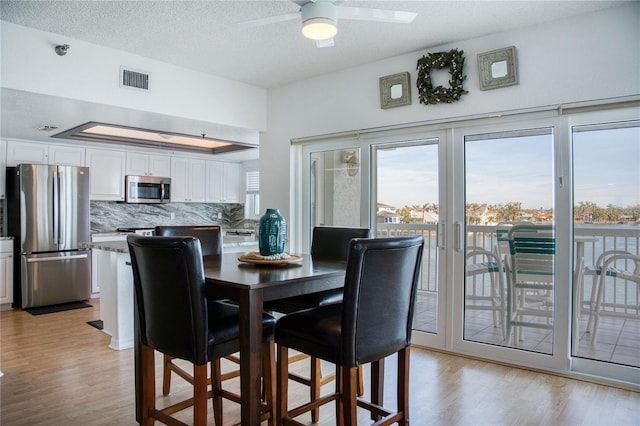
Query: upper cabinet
187, 180
43, 153
106, 171
142, 164
193, 179
223, 182
66, 155
26, 152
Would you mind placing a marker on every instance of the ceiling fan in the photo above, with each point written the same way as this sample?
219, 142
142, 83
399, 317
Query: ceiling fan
319, 18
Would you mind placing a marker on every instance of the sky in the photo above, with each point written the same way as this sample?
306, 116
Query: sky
520, 169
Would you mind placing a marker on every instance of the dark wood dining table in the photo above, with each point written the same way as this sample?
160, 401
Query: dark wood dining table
250, 285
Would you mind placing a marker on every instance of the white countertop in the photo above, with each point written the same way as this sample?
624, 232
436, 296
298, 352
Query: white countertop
121, 246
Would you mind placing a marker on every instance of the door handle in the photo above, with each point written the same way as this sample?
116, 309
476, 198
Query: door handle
459, 243
56, 258
62, 216
441, 235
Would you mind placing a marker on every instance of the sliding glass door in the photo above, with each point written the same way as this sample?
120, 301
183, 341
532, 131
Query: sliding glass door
406, 179
508, 183
606, 185
515, 215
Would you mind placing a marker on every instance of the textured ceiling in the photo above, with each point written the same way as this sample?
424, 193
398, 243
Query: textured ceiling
204, 35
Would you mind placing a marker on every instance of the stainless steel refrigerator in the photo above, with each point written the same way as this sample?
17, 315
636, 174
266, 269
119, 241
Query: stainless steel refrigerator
48, 216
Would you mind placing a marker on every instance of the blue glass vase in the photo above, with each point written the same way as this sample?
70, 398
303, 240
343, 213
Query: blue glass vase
272, 234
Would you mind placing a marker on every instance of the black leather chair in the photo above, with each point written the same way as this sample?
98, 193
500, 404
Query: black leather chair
211, 243
327, 243
210, 236
373, 321
176, 319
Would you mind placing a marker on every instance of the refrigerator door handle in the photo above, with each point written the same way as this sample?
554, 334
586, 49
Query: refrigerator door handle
62, 218
56, 258
56, 210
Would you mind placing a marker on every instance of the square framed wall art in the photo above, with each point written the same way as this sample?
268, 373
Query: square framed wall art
395, 90
498, 68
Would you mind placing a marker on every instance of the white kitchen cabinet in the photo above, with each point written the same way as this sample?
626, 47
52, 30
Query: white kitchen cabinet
223, 182
43, 153
142, 164
106, 171
6, 274
116, 298
97, 262
26, 152
187, 179
66, 155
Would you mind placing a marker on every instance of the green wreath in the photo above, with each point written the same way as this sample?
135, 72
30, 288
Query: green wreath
454, 60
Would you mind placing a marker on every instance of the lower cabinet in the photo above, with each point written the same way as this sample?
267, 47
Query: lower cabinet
96, 261
6, 274
116, 298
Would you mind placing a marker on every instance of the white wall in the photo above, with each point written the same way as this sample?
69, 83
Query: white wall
588, 57
91, 73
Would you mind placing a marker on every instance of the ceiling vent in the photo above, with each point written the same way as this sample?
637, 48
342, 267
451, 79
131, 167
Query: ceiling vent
47, 128
134, 79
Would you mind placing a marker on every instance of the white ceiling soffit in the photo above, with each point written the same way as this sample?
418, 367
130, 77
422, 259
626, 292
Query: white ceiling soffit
112, 133
24, 113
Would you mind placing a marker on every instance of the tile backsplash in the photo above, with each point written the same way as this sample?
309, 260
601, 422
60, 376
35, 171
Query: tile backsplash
108, 216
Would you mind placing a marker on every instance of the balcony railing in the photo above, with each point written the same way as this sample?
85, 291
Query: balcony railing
621, 297
428, 277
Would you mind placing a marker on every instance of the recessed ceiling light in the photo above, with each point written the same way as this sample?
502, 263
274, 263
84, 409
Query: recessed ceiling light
104, 132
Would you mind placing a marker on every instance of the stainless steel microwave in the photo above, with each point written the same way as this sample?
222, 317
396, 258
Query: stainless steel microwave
147, 189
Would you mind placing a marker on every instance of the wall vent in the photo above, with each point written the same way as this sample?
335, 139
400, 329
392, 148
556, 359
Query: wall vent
134, 79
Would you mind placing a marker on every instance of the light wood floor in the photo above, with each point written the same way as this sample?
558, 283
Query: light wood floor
59, 371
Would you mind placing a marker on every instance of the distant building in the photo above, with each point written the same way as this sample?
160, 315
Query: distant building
387, 217
386, 208
424, 216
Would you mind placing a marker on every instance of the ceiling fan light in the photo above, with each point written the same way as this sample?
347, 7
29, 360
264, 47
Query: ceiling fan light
319, 28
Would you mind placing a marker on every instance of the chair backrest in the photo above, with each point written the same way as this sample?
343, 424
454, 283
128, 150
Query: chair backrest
332, 243
619, 264
532, 251
502, 238
210, 236
168, 280
380, 290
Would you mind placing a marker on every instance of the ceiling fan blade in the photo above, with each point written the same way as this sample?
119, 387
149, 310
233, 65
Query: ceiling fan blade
377, 15
325, 43
269, 20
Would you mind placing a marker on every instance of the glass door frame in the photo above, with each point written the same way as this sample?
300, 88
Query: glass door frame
559, 360
423, 338
580, 365
300, 235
